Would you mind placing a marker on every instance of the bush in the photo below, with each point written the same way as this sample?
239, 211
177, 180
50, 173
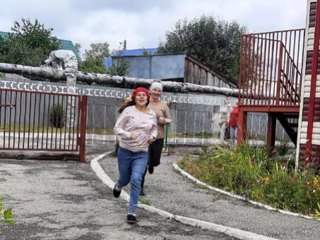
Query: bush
248, 171
57, 116
6, 215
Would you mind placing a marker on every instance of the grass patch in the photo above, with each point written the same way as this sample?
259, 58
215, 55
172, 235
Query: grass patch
6, 215
144, 200
202, 187
249, 171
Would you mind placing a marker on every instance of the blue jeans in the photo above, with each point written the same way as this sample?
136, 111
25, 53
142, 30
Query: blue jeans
131, 169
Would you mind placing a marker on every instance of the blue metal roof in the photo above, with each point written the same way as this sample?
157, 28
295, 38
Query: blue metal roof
130, 52
137, 52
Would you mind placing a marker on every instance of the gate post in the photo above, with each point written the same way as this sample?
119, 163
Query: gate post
271, 132
83, 128
242, 126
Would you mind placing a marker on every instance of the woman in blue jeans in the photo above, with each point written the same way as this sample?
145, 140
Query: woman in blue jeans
135, 129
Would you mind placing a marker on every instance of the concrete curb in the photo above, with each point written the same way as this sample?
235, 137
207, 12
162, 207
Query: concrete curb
240, 234
198, 182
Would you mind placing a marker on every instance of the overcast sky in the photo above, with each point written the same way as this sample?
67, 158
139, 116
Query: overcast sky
143, 23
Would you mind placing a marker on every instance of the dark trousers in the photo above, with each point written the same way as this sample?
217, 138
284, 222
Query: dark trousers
154, 152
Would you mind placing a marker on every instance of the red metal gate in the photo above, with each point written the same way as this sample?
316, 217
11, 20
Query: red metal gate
42, 121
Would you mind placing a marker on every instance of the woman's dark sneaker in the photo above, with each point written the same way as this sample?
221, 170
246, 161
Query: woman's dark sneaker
142, 192
131, 219
150, 169
116, 191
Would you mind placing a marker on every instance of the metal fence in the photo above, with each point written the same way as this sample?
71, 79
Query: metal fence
42, 121
195, 116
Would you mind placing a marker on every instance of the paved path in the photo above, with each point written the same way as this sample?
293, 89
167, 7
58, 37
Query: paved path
66, 200
170, 191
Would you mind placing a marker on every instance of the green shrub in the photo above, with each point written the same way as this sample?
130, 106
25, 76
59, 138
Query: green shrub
57, 116
248, 171
282, 149
6, 215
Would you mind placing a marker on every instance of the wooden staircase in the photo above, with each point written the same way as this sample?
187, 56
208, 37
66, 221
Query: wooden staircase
270, 80
289, 122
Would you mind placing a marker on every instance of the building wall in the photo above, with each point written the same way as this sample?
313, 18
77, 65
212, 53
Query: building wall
197, 73
306, 94
178, 67
155, 66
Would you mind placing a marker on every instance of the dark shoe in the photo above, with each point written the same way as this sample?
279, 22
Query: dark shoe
131, 219
142, 193
150, 169
116, 191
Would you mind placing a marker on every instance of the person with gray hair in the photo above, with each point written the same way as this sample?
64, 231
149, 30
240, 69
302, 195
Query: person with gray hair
161, 109
225, 110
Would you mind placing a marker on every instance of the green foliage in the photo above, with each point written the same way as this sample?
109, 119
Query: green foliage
28, 43
282, 149
6, 215
119, 69
215, 43
94, 58
145, 201
120, 66
145, 52
57, 118
92, 65
98, 51
248, 171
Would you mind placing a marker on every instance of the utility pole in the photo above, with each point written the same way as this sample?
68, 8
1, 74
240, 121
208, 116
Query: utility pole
125, 45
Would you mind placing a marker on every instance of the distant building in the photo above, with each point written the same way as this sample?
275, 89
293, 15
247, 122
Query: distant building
65, 44
130, 52
146, 63
138, 52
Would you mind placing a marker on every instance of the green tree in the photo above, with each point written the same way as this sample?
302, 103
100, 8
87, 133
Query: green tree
78, 47
28, 43
94, 58
92, 65
120, 68
98, 50
216, 43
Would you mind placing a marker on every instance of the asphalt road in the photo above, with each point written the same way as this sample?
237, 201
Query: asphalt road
66, 200
170, 191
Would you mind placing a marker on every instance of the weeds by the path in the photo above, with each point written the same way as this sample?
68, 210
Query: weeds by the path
6, 215
249, 172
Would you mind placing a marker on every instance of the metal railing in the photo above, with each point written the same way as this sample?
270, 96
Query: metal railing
271, 67
42, 121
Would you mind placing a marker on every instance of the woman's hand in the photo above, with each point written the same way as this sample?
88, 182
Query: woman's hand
164, 120
167, 120
134, 135
151, 139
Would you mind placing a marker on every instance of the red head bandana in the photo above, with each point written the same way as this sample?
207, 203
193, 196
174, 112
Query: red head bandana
139, 89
